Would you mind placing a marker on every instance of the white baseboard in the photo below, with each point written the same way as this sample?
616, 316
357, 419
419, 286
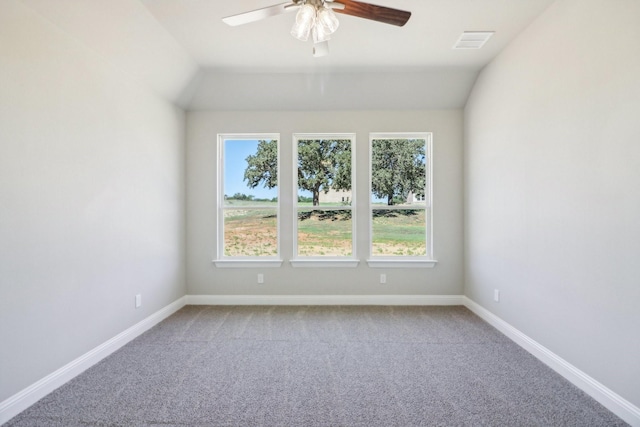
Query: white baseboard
325, 299
36, 391
607, 398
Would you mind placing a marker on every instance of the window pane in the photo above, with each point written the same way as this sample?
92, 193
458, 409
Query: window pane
324, 180
399, 232
400, 195
325, 233
324, 172
250, 171
398, 171
249, 202
250, 232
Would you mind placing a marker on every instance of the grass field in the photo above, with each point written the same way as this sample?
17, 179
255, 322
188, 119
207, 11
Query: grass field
253, 232
325, 233
399, 233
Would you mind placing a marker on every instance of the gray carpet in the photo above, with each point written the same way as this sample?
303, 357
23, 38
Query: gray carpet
319, 366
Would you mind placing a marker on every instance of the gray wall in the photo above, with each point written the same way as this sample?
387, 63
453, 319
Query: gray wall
91, 199
552, 172
204, 278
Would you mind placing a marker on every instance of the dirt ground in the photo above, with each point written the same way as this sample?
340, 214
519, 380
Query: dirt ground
254, 233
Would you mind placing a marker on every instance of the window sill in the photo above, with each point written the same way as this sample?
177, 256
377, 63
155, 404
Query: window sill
315, 262
401, 263
244, 263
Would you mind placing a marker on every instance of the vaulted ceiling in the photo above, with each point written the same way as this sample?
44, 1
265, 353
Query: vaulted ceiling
424, 42
183, 50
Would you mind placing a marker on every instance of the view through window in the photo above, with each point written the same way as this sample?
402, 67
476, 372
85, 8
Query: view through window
324, 195
323, 200
400, 195
248, 209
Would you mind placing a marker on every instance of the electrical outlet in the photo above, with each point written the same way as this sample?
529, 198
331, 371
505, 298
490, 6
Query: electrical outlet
138, 301
260, 278
496, 295
383, 278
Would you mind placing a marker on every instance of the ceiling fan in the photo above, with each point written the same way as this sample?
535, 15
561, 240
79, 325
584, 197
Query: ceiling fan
316, 18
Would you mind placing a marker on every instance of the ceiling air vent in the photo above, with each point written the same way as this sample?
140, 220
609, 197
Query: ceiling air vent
473, 39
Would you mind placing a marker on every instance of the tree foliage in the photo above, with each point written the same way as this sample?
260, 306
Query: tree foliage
263, 166
324, 164
398, 168
241, 196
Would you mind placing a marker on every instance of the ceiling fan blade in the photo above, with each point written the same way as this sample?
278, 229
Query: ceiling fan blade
258, 14
376, 13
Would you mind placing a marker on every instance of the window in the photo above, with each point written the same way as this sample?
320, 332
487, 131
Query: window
400, 188
248, 200
323, 200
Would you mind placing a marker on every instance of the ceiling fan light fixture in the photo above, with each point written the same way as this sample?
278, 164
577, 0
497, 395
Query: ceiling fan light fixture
320, 34
314, 19
327, 19
305, 21
300, 32
306, 14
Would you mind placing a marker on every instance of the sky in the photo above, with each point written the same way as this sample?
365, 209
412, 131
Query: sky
235, 154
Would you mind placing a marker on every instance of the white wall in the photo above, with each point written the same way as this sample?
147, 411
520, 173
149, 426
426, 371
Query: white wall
91, 198
436, 88
552, 172
204, 278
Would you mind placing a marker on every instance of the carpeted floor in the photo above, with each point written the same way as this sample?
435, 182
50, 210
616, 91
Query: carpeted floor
319, 366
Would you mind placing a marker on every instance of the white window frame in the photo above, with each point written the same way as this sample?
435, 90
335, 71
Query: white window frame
424, 261
222, 260
324, 261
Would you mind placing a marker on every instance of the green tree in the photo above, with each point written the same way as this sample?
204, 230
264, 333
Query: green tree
324, 164
241, 196
398, 168
263, 166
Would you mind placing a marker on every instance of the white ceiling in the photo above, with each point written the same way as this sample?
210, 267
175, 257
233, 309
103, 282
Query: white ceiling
266, 46
182, 50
